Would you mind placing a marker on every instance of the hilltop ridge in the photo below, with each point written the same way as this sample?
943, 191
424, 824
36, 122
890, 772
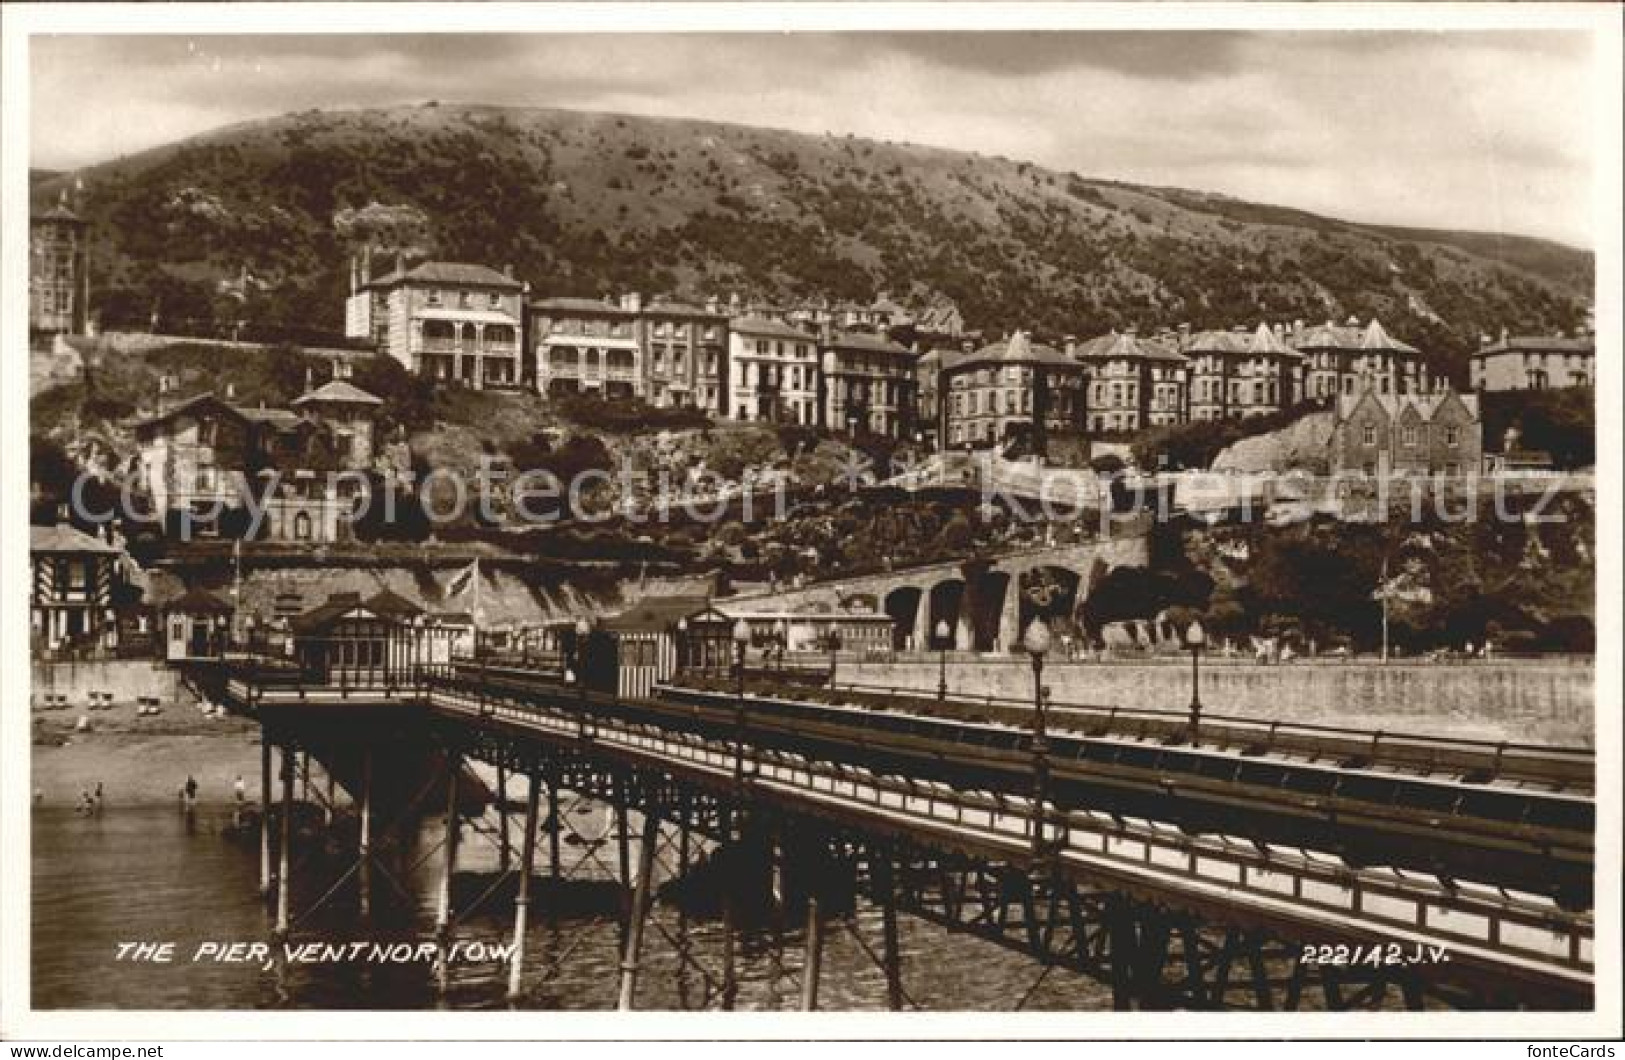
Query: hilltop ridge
586, 203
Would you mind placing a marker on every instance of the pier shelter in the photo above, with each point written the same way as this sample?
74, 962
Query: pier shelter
197, 626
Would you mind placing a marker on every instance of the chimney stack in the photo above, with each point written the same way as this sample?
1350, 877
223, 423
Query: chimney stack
507, 270
231, 391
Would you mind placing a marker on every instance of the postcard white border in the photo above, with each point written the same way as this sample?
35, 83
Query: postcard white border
19, 22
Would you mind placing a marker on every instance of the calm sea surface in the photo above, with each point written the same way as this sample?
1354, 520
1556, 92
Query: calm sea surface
150, 874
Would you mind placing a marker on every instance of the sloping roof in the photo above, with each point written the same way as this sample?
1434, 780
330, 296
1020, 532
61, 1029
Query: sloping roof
1216, 341
1131, 346
673, 307
338, 392
337, 606
278, 418
754, 325
863, 340
1265, 341
1018, 349
655, 614
60, 212
1327, 336
1425, 405
1376, 337
582, 305
1541, 344
461, 272
206, 398
198, 602
64, 538
390, 604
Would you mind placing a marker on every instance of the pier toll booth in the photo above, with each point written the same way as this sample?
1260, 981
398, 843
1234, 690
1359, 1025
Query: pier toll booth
197, 626
645, 639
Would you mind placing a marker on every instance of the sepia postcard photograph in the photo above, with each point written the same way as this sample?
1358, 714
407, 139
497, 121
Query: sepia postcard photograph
778, 521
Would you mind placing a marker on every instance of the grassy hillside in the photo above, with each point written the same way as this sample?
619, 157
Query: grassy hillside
586, 203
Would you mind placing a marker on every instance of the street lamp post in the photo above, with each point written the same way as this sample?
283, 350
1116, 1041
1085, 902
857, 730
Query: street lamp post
833, 642
1195, 638
741, 639
682, 646
1036, 641
580, 665
781, 641
943, 633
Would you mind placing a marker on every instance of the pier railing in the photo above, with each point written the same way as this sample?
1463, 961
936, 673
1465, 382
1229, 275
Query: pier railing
1475, 761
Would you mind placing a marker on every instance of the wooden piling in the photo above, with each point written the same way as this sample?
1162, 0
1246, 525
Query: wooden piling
364, 851
521, 902
555, 863
812, 966
890, 957
265, 814
504, 859
449, 863
284, 889
623, 834
639, 912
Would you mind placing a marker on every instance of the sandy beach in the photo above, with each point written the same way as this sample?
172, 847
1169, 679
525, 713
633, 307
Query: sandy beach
142, 759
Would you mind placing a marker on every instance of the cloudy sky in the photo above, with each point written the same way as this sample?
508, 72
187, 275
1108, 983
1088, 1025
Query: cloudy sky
1488, 130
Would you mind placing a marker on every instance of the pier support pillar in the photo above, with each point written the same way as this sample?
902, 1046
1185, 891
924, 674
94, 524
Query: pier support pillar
442, 920
623, 834
521, 902
890, 957
729, 857
640, 911
555, 864
284, 887
504, 854
265, 814
364, 851
812, 966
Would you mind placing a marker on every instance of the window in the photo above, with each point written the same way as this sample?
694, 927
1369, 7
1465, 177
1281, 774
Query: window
1451, 436
1369, 434
432, 298
1409, 435
465, 300
301, 526
494, 300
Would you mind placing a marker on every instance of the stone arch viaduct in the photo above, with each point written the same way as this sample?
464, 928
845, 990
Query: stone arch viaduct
985, 601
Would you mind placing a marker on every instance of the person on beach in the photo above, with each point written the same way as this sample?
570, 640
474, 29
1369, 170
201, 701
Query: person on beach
97, 805
189, 793
87, 805
238, 789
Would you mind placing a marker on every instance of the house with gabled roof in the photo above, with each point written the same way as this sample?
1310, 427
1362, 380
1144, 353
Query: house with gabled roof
452, 321
72, 588
1342, 359
867, 384
1013, 388
1135, 381
206, 455
1438, 433
772, 372
1534, 362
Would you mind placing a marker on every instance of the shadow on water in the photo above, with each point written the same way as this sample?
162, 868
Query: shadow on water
150, 874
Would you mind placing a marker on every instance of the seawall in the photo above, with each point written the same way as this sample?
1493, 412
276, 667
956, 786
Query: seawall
1514, 700
126, 679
